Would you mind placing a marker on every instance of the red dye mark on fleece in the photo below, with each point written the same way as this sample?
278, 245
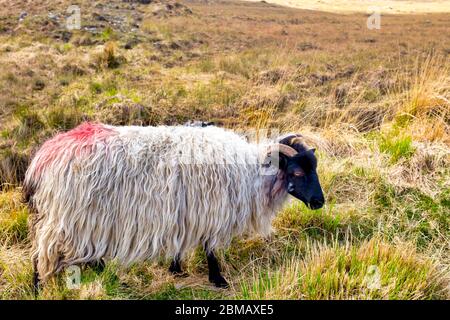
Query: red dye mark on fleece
76, 142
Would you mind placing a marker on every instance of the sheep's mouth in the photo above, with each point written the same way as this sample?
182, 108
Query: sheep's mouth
314, 205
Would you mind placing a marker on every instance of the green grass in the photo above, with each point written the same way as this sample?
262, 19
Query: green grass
325, 254
397, 147
170, 292
13, 218
371, 270
107, 34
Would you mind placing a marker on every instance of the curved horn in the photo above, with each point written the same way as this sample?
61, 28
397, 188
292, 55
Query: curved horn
289, 138
284, 149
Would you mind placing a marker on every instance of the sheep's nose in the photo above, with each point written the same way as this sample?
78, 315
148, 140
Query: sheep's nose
316, 203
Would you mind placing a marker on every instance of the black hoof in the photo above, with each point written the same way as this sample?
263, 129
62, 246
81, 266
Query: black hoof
176, 270
182, 275
219, 282
36, 286
98, 266
179, 274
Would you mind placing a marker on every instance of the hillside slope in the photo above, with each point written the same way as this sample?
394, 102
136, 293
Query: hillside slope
375, 104
385, 6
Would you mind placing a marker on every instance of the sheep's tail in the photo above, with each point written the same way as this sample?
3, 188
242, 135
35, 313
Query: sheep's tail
45, 248
44, 236
28, 192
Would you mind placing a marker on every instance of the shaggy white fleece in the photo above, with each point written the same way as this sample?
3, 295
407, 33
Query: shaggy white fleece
135, 193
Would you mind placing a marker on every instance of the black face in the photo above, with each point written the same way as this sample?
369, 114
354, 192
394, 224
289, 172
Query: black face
302, 181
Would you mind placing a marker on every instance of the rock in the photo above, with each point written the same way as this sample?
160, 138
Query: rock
174, 45
39, 85
130, 44
63, 35
196, 123
23, 15
92, 29
52, 16
99, 17
138, 1
66, 35
307, 46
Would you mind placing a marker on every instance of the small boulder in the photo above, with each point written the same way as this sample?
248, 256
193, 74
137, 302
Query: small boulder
23, 15
38, 85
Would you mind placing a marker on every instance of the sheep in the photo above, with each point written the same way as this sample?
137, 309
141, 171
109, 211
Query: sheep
129, 194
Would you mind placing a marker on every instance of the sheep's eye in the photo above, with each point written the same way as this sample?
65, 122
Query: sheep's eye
299, 173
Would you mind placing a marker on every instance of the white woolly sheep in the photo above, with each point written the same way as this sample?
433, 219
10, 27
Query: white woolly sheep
131, 194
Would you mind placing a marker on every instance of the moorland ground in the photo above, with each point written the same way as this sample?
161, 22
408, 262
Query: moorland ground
383, 6
375, 104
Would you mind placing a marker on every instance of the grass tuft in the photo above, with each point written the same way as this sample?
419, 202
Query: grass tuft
371, 270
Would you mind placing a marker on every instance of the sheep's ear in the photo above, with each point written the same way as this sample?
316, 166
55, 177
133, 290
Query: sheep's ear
313, 150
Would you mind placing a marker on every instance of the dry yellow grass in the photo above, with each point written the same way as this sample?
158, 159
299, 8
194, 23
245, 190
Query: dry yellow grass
352, 6
372, 270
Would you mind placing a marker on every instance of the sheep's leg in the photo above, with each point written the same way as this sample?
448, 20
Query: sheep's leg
35, 279
98, 265
175, 267
214, 270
